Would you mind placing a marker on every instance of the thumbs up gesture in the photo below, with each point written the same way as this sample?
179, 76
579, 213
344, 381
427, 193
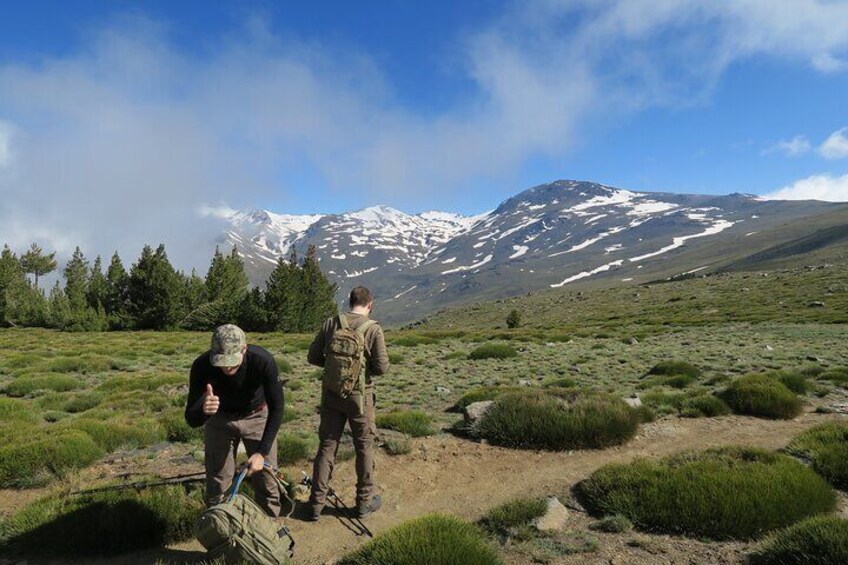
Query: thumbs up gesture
210, 401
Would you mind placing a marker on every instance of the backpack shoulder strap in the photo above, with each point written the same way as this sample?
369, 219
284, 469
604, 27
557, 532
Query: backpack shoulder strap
365, 325
343, 323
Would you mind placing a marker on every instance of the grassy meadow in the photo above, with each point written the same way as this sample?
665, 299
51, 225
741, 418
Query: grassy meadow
766, 345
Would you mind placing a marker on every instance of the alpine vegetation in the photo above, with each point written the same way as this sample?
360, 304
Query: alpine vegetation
762, 395
826, 447
557, 420
820, 540
722, 493
431, 540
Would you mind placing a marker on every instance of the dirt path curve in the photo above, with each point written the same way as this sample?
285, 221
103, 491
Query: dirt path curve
447, 474
461, 477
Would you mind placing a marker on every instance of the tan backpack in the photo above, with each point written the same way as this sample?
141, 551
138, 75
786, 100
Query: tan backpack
344, 365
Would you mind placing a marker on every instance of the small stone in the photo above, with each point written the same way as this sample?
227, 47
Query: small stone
554, 518
443, 389
634, 341
525, 382
476, 410
769, 348
841, 408
635, 402
816, 304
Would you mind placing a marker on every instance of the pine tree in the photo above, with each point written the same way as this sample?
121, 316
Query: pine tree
318, 294
226, 285
97, 287
35, 262
59, 309
154, 291
76, 275
12, 283
282, 297
252, 315
115, 300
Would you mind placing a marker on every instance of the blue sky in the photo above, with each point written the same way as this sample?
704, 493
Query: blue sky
119, 120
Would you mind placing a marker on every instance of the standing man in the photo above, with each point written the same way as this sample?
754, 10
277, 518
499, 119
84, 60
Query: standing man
235, 390
349, 340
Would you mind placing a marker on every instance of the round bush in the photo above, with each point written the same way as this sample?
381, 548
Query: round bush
724, 493
23, 386
821, 540
480, 394
103, 523
761, 395
514, 519
826, 446
796, 382
675, 367
414, 423
33, 463
558, 419
110, 435
430, 540
493, 351
177, 429
704, 405
293, 448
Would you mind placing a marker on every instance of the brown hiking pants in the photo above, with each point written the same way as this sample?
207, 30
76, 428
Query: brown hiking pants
222, 433
335, 413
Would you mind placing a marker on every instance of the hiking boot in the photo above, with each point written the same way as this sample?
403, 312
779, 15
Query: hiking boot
370, 508
308, 514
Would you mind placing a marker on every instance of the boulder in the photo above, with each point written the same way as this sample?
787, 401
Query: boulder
476, 410
634, 402
555, 517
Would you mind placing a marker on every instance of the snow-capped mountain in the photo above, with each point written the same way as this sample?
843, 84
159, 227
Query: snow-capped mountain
549, 236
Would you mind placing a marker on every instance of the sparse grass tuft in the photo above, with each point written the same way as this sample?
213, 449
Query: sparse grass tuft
761, 395
294, 448
27, 385
283, 366
431, 540
826, 446
104, 523
513, 520
558, 419
617, 524
675, 367
397, 446
493, 351
704, 405
414, 423
37, 461
821, 540
724, 493
480, 394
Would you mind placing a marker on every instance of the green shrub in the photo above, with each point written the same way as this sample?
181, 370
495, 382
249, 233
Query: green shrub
395, 358
37, 461
110, 435
87, 363
836, 376
480, 394
514, 519
82, 402
283, 366
128, 382
560, 382
293, 448
397, 446
761, 395
104, 523
565, 420
724, 493
675, 367
796, 382
617, 524
414, 423
704, 405
455, 355
673, 381
826, 446
177, 429
15, 410
493, 351
430, 540
24, 386
820, 540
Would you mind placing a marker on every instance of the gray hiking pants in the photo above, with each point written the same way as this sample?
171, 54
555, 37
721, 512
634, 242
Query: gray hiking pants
335, 413
222, 433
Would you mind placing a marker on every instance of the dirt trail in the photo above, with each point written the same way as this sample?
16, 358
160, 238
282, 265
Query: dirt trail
447, 474
451, 475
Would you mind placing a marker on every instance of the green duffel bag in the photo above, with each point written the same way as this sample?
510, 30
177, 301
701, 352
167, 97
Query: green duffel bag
240, 531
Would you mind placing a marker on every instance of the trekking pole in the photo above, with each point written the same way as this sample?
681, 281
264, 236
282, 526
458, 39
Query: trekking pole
139, 486
343, 508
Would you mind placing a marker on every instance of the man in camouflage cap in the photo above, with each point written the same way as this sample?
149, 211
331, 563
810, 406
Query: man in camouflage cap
235, 392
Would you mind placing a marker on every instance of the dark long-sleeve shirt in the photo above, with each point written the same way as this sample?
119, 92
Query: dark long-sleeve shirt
257, 382
376, 356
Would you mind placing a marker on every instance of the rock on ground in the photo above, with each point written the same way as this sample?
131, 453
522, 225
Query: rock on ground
554, 518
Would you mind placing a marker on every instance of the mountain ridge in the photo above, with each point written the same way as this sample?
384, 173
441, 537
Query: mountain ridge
552, 235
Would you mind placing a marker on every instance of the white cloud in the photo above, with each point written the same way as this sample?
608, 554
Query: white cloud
121, 141
222, 212
835, 146
817, 187
796, 146
827, 63
6, 132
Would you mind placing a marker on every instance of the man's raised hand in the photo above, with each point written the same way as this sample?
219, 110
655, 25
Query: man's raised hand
210, 402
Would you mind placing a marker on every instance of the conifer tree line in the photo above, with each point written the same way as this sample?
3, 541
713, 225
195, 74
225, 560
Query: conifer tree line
153, 295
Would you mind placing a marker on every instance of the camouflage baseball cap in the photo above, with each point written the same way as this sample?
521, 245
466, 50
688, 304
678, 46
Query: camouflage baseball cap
227, 341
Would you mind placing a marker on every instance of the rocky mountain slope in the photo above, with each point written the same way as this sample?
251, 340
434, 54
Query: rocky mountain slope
562, 234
